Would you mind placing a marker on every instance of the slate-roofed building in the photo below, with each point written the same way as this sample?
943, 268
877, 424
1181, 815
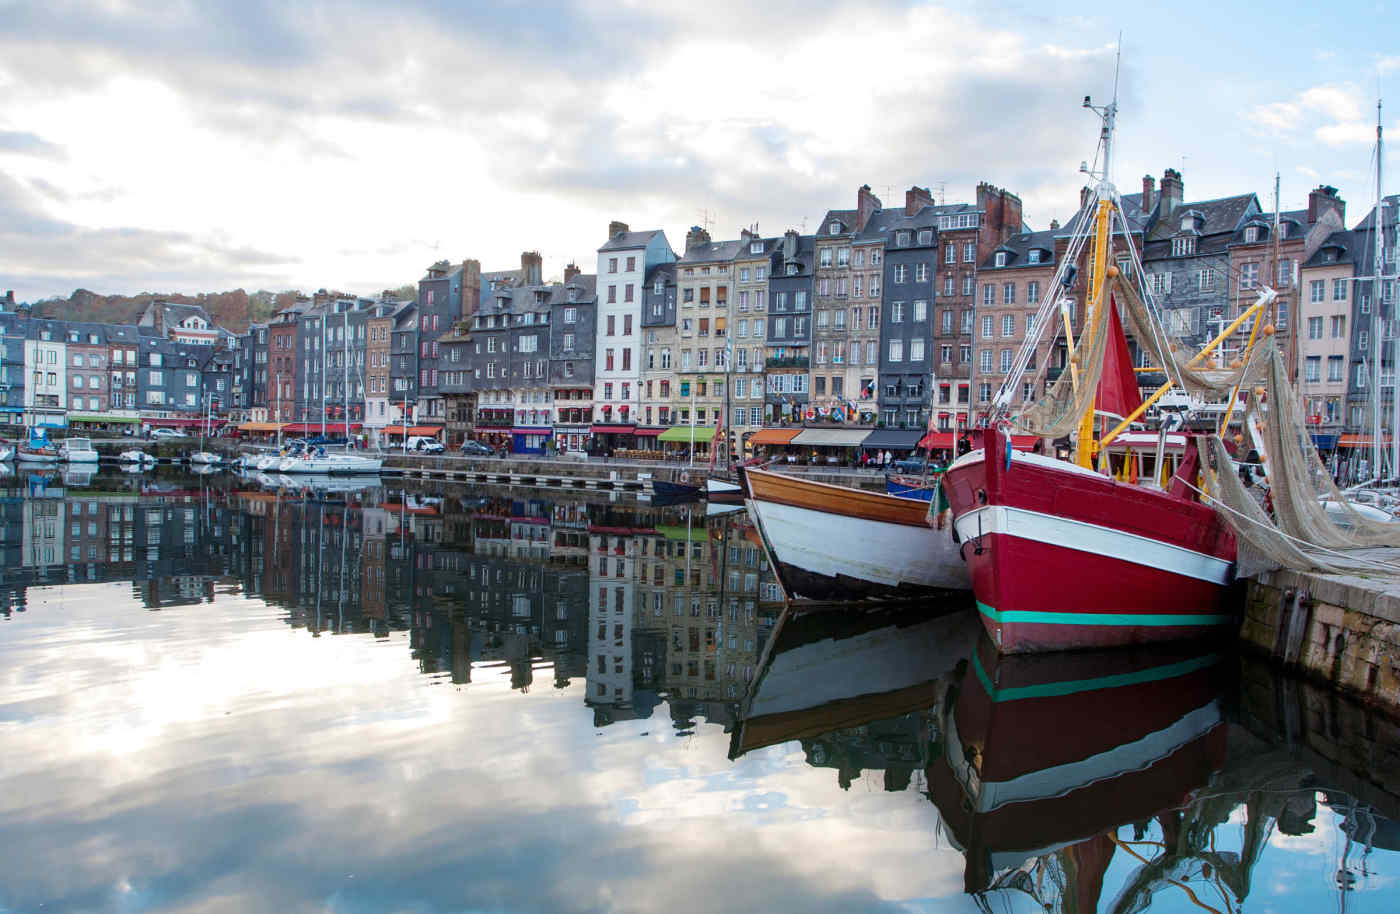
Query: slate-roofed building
659, 349
1367, 318
180, 322
1325, 339
787, 360
13, 327
906, 329
748, 327
573, 327
46, 371
1019, 272
447, 294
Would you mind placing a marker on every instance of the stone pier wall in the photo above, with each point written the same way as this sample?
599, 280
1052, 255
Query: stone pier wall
1343, 630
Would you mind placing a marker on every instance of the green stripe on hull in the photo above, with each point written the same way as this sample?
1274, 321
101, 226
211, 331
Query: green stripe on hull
1073, 686
1159, 620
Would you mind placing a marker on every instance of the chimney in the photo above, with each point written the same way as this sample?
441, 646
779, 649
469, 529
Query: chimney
1173, 192
866, 206
1324, 199
1149, 188
1086, 193
616, 228
1054, 225
571, 271
471, 287
696, 236
1001, 211
531, 268
915, 199
8, 302
789, 246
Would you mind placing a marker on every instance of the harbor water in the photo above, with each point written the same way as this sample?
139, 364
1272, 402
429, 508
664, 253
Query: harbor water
223, 693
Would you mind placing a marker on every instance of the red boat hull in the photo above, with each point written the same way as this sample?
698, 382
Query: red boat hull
1063, 558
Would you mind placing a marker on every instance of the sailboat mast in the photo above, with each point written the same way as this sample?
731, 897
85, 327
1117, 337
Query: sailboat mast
1376, 266
1095, 304
345, 390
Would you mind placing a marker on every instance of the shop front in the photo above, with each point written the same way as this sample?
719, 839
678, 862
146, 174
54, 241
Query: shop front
687, 441
832, 446
530, 439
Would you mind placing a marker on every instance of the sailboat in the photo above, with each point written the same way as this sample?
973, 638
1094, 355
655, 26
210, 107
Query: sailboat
38, 449
202, 457
1061, 554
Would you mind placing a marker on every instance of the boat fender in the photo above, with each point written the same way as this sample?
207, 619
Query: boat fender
1006, 468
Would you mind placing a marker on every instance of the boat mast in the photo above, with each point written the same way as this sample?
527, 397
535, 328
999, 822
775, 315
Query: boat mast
345, 391
1095, 306
1378, 326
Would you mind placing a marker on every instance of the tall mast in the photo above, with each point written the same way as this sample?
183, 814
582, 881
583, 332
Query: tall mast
345, 391
1095, 305
1377, 322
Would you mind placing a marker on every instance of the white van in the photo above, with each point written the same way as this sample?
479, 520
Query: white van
424, 444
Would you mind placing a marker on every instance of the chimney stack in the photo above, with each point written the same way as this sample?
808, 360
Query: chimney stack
1001, 211
696, 236
915, 199
1324, 199
471, 287
571, 271
1173, 192
789, 245
531, 268
8, 302
1149, 190
1054, 225
616, 228
866, 206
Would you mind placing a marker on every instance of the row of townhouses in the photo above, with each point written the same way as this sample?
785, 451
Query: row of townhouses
903, 318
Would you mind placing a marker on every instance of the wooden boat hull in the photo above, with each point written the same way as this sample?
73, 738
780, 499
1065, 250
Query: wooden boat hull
1065, 558
674, 489
45, 457
834, 542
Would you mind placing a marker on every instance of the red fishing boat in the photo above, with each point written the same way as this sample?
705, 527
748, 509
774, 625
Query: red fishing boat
1064, 553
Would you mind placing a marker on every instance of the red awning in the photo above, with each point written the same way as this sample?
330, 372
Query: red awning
946, 440
182, 423
648, 432
546, 430
424, 430
614, 430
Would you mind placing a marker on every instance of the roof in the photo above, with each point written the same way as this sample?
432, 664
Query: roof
884, 221
1220, 216
1132, 211
711, 252
1017, 247
661, 269
846, 216
627, 241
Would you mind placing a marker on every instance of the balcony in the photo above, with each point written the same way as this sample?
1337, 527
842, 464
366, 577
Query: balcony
792, 361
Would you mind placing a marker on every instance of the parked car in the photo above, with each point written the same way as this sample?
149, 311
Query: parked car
160, 433
423, 444
476, 449
327, 440
914, 466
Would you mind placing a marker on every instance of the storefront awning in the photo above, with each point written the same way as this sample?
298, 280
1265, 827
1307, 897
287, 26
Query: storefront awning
1362, 441
420, 430
546, 430
613, 429
693, 534
774, 436
649, 432
259, 426
182, 423
330, 428
897, 438
831, 437
936, 441
687, 434
120, 420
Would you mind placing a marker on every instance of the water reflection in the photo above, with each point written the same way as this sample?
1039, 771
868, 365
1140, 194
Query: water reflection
618, 686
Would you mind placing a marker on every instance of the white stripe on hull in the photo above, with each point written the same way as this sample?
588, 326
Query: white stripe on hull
839, 546
1092, 538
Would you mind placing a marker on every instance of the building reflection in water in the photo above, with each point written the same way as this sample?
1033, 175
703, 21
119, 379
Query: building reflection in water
1044, 771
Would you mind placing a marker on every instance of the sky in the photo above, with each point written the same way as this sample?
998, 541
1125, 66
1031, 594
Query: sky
186, 147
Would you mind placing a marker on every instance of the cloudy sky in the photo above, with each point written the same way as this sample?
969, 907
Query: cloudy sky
163, 146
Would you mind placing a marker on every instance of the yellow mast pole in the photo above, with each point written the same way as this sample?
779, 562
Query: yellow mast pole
1095, 309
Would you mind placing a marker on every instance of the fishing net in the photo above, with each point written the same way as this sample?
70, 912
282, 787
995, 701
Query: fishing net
1303, 533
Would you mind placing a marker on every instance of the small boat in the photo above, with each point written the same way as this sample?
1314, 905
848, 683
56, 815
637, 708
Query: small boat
718, 489
77, 450
205, 469
675, 489
7, 453
137, 457
835, 542
206, 458
37, 450
353, 464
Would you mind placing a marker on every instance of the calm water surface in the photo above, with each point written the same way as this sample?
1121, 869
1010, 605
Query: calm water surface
243, 695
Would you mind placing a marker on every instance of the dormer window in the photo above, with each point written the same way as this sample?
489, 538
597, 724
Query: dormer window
901, 238
659, 287
835, 227
792, 269
755, 247
1251, 234
926, 236
1182, 247
1033, 255
1001, 258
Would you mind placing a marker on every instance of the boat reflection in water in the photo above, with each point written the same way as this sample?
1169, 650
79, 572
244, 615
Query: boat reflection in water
1045, 756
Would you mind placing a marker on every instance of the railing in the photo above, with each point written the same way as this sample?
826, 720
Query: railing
796, 361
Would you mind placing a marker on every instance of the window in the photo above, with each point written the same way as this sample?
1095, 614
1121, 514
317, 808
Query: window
986, 326
612, 264
612, 295
921, 272
631, 264
920, 311
947, 283
899, 272
1161, 283
843, 257
896, 312
1033, 255
1314, 328
1339, 326
1339, 290
1008, 325
969, 252
945, 355
984, 361
1005, 361
1334, 367
1001, 258
1251, 234
896, 350
967, 284
916, 350
1317, 289
1181, 247
989, 293
1205, 280
1008, 293
1033, 292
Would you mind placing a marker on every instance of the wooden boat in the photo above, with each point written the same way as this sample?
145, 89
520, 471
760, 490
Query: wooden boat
1043, 754
38, 450
136, 457
674, 489
835, 542
823, 671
